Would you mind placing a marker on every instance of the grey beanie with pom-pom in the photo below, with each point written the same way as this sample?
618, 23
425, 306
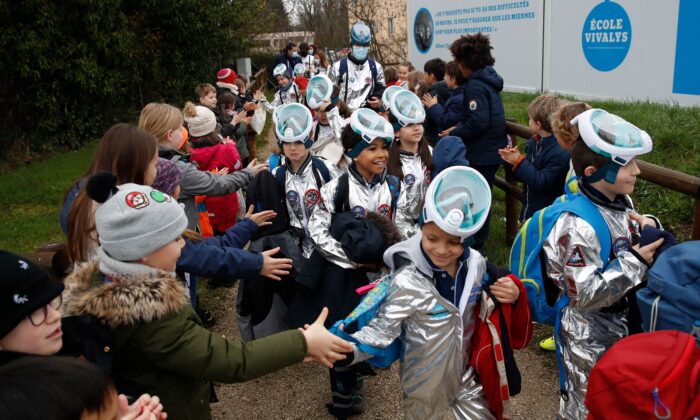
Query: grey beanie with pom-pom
136, 220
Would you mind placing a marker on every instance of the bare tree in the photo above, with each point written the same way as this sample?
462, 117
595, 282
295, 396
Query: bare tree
328, 18
386, 48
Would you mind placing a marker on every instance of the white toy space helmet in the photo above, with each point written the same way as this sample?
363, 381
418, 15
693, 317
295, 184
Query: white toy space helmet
457, 201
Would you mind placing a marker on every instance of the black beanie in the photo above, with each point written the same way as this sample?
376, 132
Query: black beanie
24, 288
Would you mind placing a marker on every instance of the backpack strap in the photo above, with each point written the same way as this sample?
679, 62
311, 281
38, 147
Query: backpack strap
343, 70
586, 210
320, 167
341, 199
373, 68
395, 189
280, 175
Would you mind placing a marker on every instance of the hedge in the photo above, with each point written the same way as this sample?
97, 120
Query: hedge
71, 68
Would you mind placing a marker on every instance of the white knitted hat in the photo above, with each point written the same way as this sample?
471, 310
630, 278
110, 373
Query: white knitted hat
201, 124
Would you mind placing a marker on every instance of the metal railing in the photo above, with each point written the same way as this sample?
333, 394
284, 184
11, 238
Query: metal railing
667, 178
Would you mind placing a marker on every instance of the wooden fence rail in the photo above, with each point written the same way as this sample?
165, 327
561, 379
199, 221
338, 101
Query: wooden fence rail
664, 177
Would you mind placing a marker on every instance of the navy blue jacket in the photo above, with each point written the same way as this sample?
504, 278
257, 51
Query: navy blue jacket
451, 113
222, 256
543, 172
282, 58
442, 92
483, 129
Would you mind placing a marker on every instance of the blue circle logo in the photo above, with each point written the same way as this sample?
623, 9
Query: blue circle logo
606, 37
423, 30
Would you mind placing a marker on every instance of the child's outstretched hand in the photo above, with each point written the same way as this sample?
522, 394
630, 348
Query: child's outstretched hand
145, 408
446, 132
261, 218
272, 267
322, 346
509, 154
256, 167
505, 290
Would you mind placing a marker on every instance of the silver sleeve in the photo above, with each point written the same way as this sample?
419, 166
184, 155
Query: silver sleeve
575, 266
319, 229
399, 305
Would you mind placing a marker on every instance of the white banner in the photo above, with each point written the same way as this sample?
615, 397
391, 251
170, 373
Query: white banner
623, 49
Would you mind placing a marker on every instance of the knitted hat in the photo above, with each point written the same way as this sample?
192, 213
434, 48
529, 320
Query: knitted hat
168, 176
133, 220
227, 75
24, 288
200, 120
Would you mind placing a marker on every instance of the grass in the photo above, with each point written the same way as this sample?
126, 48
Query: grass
32, 196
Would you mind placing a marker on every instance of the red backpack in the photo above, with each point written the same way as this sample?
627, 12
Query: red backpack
649, 375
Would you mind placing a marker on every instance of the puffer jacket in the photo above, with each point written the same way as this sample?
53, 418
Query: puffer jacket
159, 345
195, 182
483, 128
224, 208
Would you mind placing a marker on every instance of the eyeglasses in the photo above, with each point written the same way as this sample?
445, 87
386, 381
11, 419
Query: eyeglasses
39, 316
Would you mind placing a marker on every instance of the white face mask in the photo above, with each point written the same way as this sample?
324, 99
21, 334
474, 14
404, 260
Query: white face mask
311, 51
317, 61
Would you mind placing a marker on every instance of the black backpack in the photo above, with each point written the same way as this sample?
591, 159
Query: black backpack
265, 194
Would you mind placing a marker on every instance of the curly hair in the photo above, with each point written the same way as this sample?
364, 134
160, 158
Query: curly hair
473, 51
562, 129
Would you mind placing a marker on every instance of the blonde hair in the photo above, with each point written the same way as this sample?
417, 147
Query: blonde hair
414, 79
561, 122
541, 109
158, 119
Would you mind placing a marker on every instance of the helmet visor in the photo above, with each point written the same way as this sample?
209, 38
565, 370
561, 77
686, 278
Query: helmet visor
615, 131
407, 108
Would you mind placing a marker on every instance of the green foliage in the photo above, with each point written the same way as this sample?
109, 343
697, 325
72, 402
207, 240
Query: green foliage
69, 69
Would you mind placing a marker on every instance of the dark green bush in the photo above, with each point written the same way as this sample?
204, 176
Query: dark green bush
71, 68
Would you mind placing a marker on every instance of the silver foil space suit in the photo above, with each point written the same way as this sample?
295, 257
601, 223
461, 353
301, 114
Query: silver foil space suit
436, 335
284, 96
360, 83
588, 329
362, 198
302, 196
326, 138
416, 178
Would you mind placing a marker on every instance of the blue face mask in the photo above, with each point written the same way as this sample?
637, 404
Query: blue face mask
359, 52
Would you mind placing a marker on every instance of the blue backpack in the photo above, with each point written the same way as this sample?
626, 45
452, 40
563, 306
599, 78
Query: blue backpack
527, 260
671, 298
362, 315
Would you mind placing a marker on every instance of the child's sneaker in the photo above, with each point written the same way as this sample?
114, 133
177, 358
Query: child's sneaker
548, 344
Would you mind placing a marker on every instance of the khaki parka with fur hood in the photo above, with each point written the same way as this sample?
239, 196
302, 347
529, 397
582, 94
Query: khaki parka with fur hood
160, 347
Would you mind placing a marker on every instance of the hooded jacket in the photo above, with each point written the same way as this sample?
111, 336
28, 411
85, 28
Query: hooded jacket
436, 335
159, 345
195, 182
222, 209
483, 128
449, 152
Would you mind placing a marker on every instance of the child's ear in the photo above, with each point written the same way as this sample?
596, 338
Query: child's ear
590, 170
169, 135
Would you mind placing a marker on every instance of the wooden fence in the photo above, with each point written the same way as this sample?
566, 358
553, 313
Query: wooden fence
667, 178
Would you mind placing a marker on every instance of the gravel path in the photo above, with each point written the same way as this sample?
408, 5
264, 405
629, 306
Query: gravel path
301, 391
